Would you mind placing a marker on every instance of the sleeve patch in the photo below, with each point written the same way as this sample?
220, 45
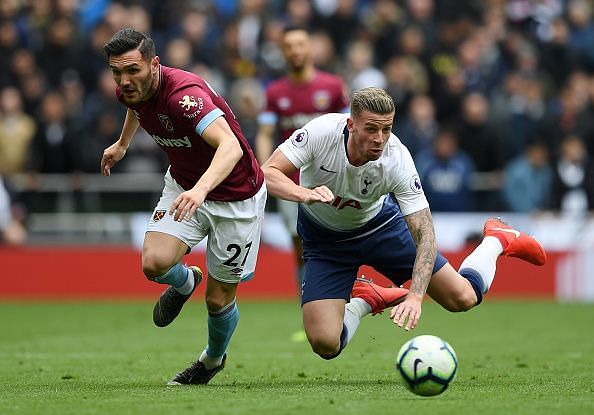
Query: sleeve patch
299, 138
415, 184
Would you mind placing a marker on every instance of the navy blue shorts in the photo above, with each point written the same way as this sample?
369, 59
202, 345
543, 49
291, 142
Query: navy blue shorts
332, 259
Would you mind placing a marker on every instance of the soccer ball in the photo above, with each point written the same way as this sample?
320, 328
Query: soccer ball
427, 365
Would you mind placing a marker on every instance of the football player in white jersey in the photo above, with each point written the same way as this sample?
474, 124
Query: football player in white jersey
362, 203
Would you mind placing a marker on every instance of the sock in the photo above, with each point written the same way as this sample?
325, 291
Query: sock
179, 277
479, 267
221, 325
354, 311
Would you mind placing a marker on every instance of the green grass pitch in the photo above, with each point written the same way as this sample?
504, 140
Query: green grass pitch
103, 358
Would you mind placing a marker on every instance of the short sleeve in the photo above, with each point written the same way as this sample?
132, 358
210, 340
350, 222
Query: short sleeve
408, 189
303, 145
195, 106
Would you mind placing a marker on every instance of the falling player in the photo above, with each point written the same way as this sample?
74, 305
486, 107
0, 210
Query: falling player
353, 171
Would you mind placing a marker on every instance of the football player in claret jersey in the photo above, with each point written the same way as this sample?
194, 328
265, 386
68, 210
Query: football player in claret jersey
292, 101
353, 171
214, 187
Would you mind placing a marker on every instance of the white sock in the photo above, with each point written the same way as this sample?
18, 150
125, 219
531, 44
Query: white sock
354, 311
484, 259
188, 285
210, 362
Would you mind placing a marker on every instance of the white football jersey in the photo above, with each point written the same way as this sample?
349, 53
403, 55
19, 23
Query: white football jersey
318, 150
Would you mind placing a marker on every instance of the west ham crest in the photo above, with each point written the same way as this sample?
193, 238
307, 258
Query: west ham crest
166, 122
158, 215
321, 100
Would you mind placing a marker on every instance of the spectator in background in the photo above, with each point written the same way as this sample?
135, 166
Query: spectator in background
12, 232
196, 29
527, 180
56, 148
478, 137
573, 179
568, 114
178, 53
360, 71
521, 105
16, 132
420, 127
581, 31
445, 172
62, 49
247, 101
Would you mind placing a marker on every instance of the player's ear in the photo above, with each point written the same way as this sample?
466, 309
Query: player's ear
155, 64
350, 124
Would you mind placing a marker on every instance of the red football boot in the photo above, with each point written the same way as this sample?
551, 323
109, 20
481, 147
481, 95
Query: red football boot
515, 243
376, 296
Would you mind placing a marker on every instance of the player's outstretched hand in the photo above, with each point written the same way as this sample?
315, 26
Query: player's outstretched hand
184, 206
407, 312
320, 194
111, 155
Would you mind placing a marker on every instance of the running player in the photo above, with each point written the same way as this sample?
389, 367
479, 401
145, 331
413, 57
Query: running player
292, 101
361, 202
214, 187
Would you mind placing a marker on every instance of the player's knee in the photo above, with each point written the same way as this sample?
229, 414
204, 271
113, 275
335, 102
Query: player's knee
216, 301
154, 265
325, 347
461, 301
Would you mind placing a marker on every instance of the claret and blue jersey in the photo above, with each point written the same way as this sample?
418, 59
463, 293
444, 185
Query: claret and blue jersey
176, 117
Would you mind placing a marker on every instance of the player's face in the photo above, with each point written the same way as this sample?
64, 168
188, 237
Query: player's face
296, 49
369, 134
137, 78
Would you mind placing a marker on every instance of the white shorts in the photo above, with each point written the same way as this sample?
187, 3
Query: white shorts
288, 211
233, 230
5, 215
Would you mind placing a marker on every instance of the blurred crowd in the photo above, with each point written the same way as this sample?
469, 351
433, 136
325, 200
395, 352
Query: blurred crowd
495, 99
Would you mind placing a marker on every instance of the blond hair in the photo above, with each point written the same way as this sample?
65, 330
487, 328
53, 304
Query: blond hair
372, 99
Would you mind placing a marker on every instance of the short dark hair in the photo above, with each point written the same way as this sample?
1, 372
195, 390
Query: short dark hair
128, 39
295, 28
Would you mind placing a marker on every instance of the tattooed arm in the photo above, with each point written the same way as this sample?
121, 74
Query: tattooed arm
421, 228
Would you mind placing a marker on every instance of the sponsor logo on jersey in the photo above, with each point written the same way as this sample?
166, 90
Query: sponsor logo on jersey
340, 203
415, 184
283, 103
321, 100
299, 138
296, 120
200, 103
165, 122
158, 215
173, 142
188, 102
